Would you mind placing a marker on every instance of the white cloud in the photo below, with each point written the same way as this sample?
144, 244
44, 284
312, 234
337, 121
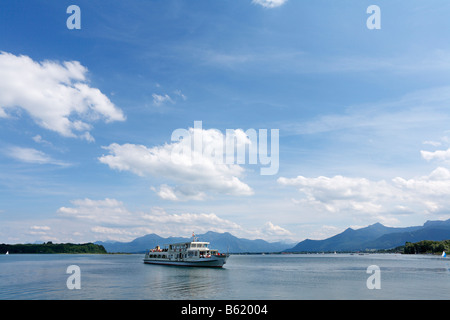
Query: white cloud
382, 200
56, 95
110, 218
159, 100
200, 222
441, 155
39, 139
30, 155
89, 220
198, 171
270, 3
165, 99
43, 228
180, 94
110, 211
338, 188
39, 230
183, 193
433, 143
269, 229
437, 183
340, 193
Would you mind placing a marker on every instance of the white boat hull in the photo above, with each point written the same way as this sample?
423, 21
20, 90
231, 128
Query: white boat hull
216, 262
187, 254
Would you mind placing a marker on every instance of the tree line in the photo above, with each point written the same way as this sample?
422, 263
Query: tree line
50, 247
427, 246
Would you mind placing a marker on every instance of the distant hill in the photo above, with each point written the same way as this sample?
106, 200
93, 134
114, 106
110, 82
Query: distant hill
140, 244
222, 241
376, 236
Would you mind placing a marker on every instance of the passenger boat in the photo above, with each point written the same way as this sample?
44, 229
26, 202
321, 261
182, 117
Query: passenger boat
190, 254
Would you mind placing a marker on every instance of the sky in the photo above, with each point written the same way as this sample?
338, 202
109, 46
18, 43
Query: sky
102, 110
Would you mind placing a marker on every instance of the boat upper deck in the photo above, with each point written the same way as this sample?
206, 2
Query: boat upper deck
184, 246
193, 245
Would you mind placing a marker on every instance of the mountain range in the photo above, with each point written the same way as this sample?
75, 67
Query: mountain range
376, 237
224, 242
373, 237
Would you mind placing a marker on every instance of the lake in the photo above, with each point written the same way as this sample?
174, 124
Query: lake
244, 277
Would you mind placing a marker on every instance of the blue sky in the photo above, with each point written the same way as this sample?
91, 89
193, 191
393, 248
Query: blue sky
86, 117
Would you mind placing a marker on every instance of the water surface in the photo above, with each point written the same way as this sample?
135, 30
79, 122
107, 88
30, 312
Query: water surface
250, 277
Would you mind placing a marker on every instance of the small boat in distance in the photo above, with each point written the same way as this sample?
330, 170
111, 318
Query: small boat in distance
7, 252
190, 254
444, 254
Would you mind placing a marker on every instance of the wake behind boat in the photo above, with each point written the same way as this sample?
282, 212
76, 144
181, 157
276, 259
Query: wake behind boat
191, 254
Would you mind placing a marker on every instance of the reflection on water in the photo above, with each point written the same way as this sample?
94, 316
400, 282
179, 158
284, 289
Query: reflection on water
175, 282
251, 277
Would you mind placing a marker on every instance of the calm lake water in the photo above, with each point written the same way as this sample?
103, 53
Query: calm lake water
249, 277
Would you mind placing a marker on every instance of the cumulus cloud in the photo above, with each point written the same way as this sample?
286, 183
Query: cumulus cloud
337, 187
39, 230
86, 219
197, 170
56, 95
341, 193
110, 211
183, 193
270, 3
111, 219
440, 155
437, 183
423, 194
271, 230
